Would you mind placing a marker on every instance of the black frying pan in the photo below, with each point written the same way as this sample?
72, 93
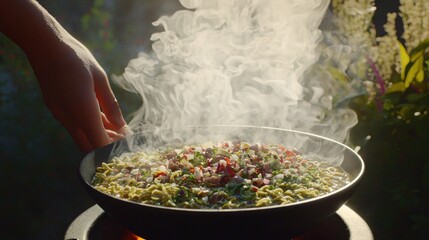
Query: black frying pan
274, 222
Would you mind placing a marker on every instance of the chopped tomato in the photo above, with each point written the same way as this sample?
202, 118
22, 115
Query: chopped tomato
226, 169
160, 173
290, 153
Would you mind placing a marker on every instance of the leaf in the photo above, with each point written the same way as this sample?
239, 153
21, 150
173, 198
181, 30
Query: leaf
406, 109
419, 50
420, 75
405, 58
417, 68
416, 71
337, 74
345, 100
396, 87
417, 97
416, 55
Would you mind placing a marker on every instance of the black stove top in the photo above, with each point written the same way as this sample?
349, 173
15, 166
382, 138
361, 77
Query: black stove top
94, 224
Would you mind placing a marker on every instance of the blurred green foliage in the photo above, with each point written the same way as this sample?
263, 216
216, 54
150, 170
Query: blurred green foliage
393, 132
99, 20
394, 192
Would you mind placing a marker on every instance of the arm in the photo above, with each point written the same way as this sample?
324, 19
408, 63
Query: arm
73, 84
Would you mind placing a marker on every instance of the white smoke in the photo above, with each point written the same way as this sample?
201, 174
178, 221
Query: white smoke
242, 62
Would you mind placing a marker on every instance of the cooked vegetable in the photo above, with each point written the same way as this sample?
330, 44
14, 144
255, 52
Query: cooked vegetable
218, 176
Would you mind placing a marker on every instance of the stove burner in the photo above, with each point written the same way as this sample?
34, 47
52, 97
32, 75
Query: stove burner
94, 224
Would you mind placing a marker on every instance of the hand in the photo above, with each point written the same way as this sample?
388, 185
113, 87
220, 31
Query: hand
73, 84
74, 87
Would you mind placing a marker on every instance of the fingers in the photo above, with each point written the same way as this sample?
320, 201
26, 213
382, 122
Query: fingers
107, 124
80, 139
76, 132
83, 119
89, 119
107, 101
89, 139
114, 136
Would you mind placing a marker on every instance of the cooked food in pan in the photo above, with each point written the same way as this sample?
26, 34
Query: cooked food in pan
223, 175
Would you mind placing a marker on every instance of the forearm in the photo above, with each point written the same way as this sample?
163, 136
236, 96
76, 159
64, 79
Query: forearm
30, 26
73, 84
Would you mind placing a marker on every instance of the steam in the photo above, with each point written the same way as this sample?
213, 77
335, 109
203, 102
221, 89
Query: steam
244, 62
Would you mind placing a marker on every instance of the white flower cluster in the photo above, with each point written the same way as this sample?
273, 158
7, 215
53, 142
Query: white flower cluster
355, 23
386, 55
415, 16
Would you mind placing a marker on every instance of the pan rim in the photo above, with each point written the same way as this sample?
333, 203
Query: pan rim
302, 203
